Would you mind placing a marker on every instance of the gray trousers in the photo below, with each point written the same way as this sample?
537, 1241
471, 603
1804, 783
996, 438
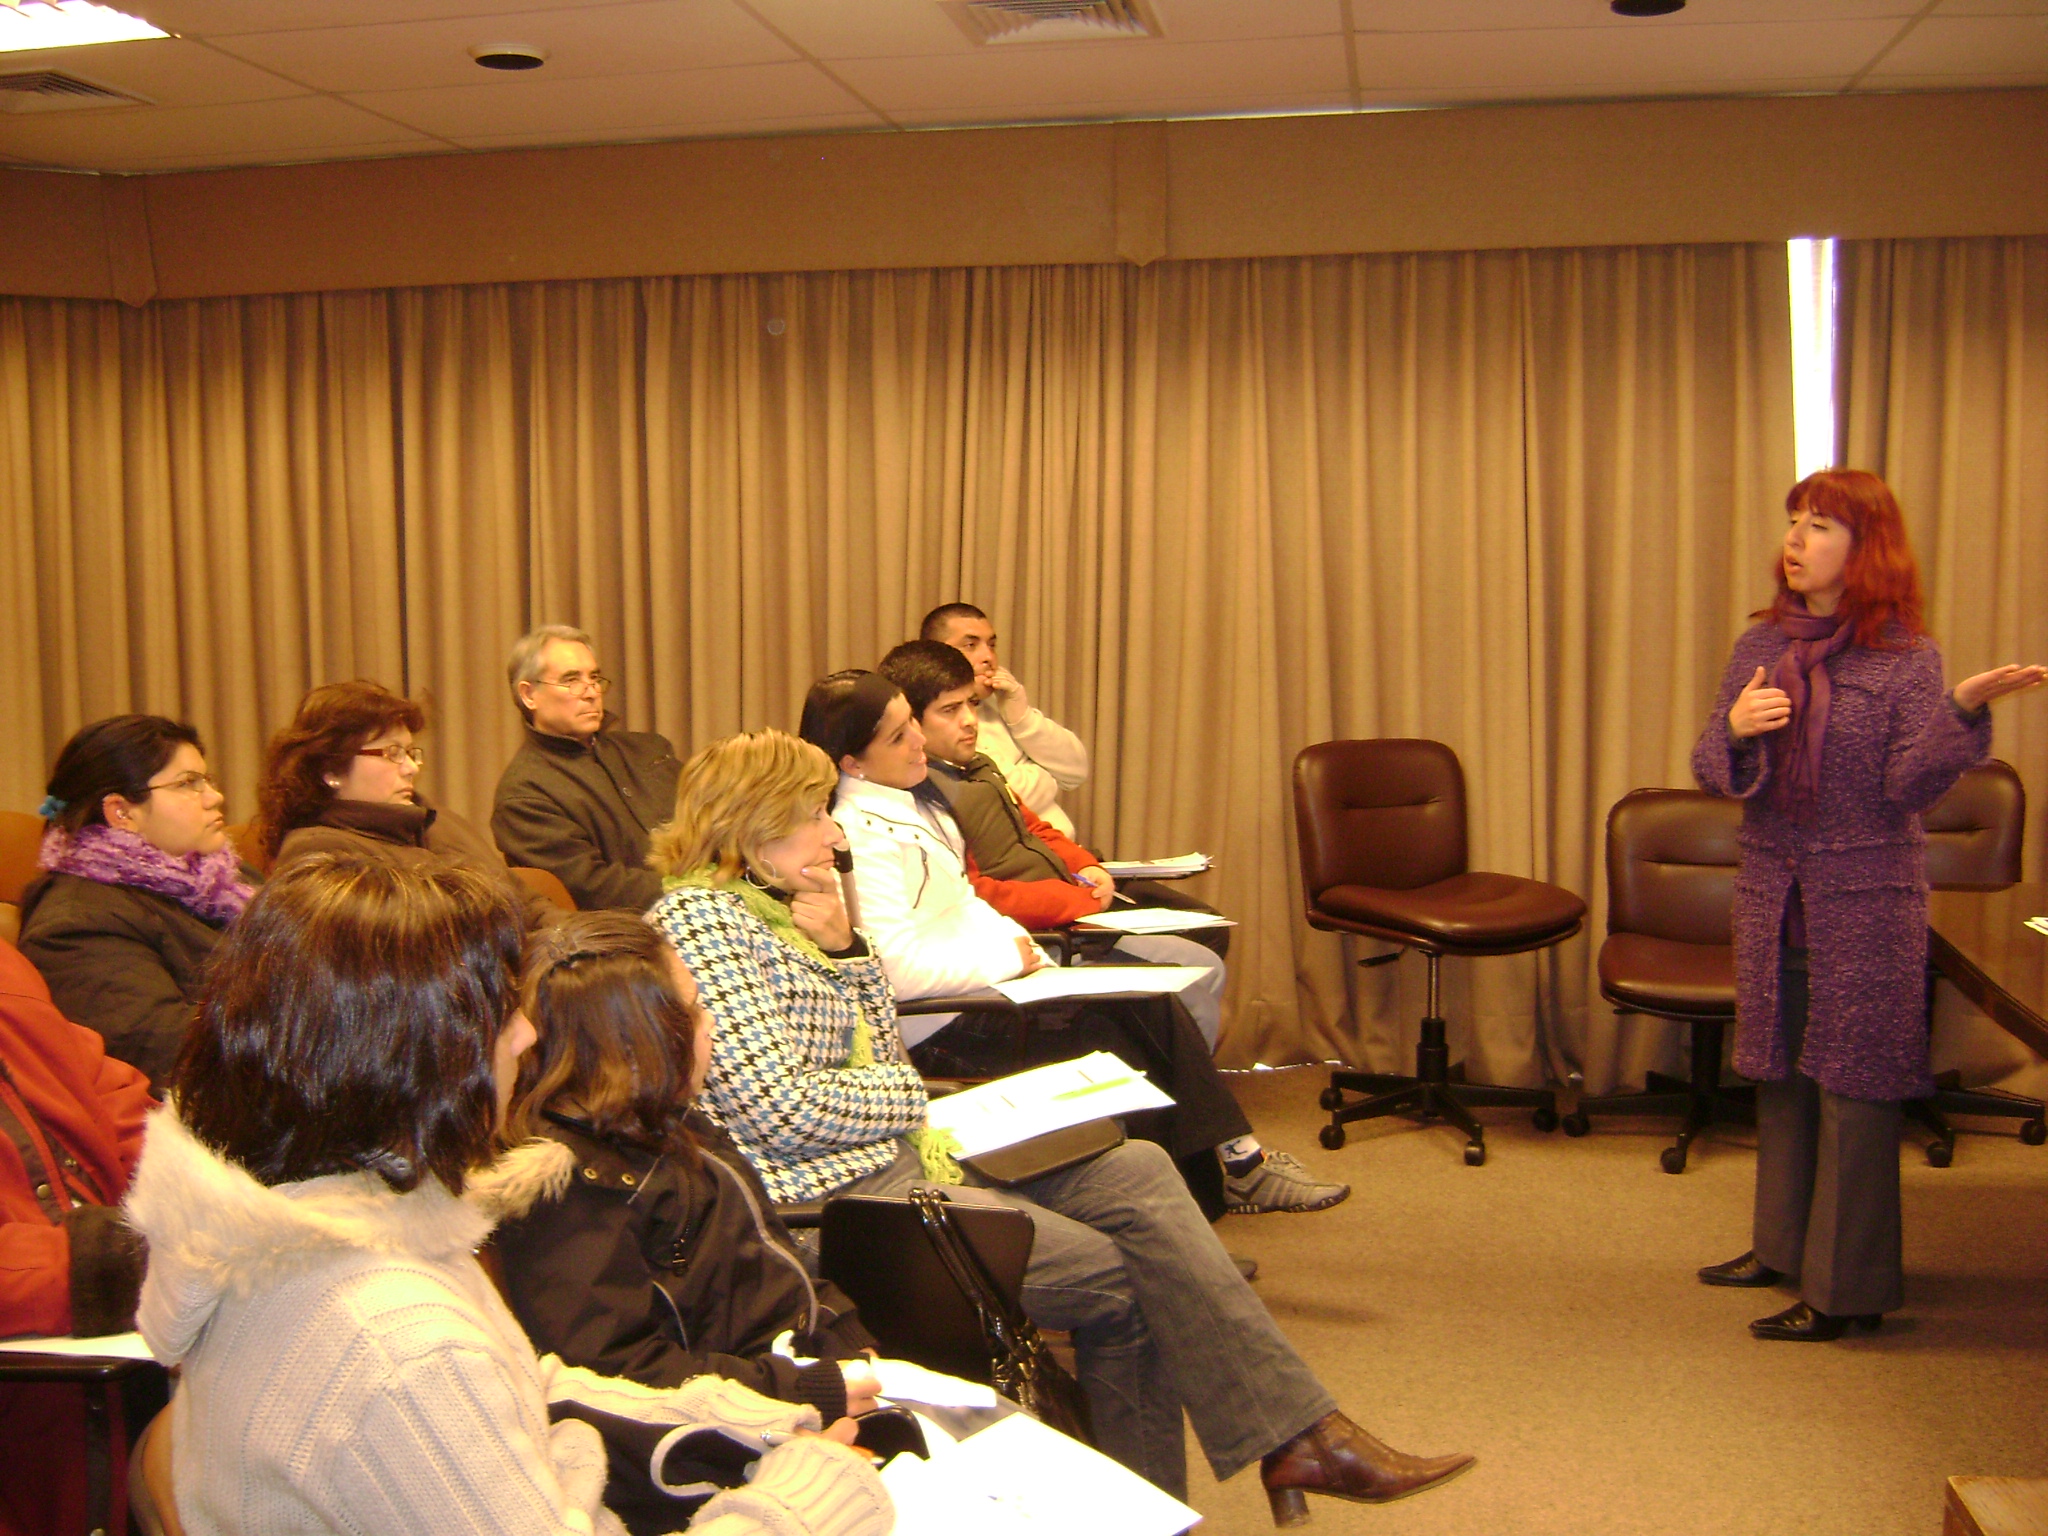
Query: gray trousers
1161, 1319
1827, 1180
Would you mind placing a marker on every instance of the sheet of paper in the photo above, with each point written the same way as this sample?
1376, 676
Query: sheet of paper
913, 1383
1154, 920
1018, 1478
112, 1346
1139, 869
1099, 981
1014, 1109
2038, 924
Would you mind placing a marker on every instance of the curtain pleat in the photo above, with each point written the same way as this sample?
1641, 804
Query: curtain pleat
1942, 388
1514, 501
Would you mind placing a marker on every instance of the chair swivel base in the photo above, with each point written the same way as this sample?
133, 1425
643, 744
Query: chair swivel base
1437, 1091
1950, 1099
1702, 1108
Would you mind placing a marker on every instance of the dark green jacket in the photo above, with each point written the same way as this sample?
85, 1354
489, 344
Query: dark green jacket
120, 960
585, 811
1003, 846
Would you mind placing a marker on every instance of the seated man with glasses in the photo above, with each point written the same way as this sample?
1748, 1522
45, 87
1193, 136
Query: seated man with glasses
581, 795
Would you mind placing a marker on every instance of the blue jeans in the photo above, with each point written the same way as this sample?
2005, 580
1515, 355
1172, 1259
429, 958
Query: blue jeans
1161, 1319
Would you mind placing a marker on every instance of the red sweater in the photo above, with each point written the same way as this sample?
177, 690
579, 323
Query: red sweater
1044, 903
71, 1099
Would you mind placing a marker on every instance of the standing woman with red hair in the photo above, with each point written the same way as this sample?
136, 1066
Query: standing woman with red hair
1833, 729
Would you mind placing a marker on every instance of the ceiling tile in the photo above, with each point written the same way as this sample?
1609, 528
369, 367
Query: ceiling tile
1215, 21
580, 43
266, 156
654, 103
749, 128
1882, 84
270, 130
1969, 45
225, 18
1994, 8
997, 81
866, 29
169, 71
1403, 98
1321, 103
1533, 15
1727, 58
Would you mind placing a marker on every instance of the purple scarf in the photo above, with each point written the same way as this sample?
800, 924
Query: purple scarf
1795, 750
208, 885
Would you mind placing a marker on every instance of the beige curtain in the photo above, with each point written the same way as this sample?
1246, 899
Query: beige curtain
1942, 388
1220, 510
197, 500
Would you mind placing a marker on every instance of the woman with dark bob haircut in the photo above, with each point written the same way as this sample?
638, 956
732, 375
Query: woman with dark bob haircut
342, 778
313, 1196
141, 881
652, 1251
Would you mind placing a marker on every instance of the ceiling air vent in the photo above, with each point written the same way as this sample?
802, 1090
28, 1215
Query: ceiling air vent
45, 90
1053, 21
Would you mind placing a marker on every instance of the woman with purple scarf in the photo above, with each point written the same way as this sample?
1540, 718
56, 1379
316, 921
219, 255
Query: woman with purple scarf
1833, 729
141, 880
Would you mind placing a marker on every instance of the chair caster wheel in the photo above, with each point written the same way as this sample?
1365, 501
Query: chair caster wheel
1545, 1120
2034, 1132
1475, 1153
1672, 1159
1332, 1099
1940, 1154
1331, 1136
1576, 1124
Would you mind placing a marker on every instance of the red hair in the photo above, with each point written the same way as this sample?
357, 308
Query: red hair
1881, 582
332, 723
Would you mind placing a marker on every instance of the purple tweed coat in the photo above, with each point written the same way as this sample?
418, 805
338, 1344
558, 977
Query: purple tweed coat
1895, 745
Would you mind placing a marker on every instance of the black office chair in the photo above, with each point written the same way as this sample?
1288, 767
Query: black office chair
1975, 834
1381, 826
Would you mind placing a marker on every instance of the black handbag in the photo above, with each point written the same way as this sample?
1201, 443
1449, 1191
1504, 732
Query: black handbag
1021, 1365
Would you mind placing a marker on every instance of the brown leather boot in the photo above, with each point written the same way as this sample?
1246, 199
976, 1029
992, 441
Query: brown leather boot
1334, 1456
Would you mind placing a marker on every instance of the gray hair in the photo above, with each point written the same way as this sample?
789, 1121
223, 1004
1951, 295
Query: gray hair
525, 664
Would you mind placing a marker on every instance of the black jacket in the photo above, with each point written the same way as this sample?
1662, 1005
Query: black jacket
583, 811
120, 960
656, 1271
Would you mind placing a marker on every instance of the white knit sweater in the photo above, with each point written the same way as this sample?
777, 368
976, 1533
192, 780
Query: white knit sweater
349, 1368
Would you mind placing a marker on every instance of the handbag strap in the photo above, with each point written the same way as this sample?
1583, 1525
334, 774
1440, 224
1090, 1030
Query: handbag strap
965, 1265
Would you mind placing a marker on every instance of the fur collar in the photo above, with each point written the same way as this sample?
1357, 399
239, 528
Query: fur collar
214, 1232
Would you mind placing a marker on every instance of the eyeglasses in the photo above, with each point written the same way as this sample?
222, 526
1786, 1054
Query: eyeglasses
190, 784
395, 755
577, 683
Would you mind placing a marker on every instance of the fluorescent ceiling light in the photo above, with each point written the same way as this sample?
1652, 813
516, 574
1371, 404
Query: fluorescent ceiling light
26, 24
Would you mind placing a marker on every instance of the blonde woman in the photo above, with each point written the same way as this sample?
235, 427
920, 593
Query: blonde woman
807, 1076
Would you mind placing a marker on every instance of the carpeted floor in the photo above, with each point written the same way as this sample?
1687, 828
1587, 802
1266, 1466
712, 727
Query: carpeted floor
1542, 1312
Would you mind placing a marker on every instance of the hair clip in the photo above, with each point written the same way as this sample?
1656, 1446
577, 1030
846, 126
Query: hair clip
52, 807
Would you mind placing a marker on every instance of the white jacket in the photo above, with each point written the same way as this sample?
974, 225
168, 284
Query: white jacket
934, 936
349, 1368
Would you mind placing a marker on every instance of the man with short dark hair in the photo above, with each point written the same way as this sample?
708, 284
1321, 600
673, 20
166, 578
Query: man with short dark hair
1048, 880
1024, 867
1039, 757
581, 795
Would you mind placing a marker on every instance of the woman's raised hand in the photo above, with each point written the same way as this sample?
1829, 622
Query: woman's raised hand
1973, 693
1758, 709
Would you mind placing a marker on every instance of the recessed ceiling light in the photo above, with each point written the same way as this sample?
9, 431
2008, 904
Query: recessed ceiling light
502, 55
26, 24
1645, 7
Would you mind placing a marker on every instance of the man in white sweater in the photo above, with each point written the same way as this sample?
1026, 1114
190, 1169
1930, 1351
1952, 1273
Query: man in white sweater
1039, 756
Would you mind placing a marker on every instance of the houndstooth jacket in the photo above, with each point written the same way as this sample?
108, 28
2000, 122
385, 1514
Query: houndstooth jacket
782, 1027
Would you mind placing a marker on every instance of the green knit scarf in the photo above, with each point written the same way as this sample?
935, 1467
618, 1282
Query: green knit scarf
935, 1148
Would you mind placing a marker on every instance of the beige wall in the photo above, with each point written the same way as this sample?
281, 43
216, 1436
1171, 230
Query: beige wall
1967, 163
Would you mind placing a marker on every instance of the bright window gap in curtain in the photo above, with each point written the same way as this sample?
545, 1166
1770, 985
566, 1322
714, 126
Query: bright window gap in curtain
1812, 265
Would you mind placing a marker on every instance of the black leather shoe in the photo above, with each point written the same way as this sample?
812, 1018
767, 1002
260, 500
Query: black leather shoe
1749, 1271
1802, 1325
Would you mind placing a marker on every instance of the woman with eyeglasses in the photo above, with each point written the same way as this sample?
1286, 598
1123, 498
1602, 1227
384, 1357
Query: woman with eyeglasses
342, 778
141, 881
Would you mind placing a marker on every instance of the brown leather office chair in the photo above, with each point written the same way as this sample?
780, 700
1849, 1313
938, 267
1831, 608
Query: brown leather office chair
547, 885
1382, 831
1671, 859
1975, 834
